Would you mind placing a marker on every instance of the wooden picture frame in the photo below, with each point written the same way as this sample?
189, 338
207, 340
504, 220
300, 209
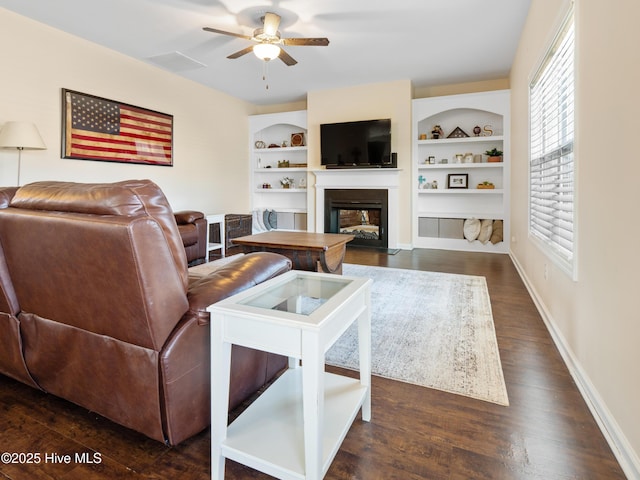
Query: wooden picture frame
457, 133
95, 128
458, 180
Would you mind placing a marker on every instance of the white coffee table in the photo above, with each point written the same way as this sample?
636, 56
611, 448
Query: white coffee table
295, 428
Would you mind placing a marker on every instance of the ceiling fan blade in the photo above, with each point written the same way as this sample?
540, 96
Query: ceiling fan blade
271, 23
286, 58
240, 53
224, 32
300, 42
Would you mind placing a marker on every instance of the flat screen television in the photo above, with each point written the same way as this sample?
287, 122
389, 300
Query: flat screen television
362, 144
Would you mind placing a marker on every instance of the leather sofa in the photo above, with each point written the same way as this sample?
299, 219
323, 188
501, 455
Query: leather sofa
98, 307
192, 227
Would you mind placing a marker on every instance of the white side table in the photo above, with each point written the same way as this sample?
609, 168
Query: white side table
295, 428
212, 219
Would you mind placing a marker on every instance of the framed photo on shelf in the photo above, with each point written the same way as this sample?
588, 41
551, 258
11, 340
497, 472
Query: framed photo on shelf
458, 180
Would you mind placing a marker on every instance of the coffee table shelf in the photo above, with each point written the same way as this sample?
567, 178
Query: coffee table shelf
270, 432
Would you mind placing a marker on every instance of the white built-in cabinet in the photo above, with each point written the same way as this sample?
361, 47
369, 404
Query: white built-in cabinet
270, 145
439, 213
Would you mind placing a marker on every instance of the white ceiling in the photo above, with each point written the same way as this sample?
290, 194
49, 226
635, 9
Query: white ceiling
430, 42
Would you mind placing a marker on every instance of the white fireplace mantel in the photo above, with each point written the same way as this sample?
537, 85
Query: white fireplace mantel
361, 178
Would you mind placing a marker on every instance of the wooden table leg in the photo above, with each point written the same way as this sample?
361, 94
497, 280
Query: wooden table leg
332, 258
313, 404
220, 378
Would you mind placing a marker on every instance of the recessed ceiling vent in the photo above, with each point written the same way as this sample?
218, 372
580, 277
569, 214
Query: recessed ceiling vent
176, 62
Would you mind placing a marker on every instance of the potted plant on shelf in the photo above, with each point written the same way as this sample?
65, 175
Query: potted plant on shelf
494, 155
486, 185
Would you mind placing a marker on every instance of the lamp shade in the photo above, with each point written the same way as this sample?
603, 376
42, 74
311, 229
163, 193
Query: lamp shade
21, 135
266, 51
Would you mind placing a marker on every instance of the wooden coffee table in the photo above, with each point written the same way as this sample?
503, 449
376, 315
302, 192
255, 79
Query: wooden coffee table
316, 252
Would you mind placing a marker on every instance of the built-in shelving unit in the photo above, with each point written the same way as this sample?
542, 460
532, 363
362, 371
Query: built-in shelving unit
439, 212
270, 143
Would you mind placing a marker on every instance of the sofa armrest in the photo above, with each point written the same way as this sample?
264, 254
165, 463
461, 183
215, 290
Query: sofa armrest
6, 194
192, 227
185, 217
234, 277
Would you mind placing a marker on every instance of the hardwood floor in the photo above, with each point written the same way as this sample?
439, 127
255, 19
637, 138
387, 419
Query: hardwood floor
547, 432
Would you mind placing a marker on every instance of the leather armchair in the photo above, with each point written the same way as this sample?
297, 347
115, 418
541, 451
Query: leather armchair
192, 227
11, 359
108, 317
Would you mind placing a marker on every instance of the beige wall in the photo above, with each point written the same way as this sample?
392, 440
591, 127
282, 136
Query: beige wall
459, 88
280, 107
210, 128
596, 316
365, 102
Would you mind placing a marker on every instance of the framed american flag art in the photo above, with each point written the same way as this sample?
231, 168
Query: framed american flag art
95, 128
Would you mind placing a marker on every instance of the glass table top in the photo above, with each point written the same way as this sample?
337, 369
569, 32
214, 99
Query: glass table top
302, 294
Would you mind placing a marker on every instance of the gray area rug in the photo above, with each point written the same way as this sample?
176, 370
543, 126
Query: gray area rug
430, 329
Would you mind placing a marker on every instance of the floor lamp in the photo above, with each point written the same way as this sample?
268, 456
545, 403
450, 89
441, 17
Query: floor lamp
21, 135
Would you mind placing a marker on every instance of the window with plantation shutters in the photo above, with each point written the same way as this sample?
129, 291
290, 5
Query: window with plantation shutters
551, 167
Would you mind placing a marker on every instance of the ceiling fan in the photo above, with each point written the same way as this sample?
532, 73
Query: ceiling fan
268, 41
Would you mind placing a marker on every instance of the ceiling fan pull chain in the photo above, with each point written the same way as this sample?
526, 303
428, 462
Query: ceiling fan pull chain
264, 73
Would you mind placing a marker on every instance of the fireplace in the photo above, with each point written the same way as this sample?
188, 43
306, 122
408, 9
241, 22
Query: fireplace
359, 179
360, 212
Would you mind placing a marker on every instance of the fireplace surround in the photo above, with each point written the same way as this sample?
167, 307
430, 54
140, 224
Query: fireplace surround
387, 179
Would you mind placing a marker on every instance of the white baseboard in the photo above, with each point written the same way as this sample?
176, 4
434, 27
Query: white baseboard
626, 456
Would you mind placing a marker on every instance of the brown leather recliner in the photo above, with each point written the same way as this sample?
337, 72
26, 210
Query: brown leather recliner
108, 319
192, 227
11, 359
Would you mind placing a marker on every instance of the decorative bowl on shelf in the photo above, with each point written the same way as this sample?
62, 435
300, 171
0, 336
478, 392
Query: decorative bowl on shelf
486, 186
297, 139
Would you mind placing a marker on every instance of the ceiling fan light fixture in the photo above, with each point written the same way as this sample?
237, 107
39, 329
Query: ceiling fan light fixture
266, 51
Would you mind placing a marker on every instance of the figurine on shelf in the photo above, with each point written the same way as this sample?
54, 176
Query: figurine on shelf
437, 132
